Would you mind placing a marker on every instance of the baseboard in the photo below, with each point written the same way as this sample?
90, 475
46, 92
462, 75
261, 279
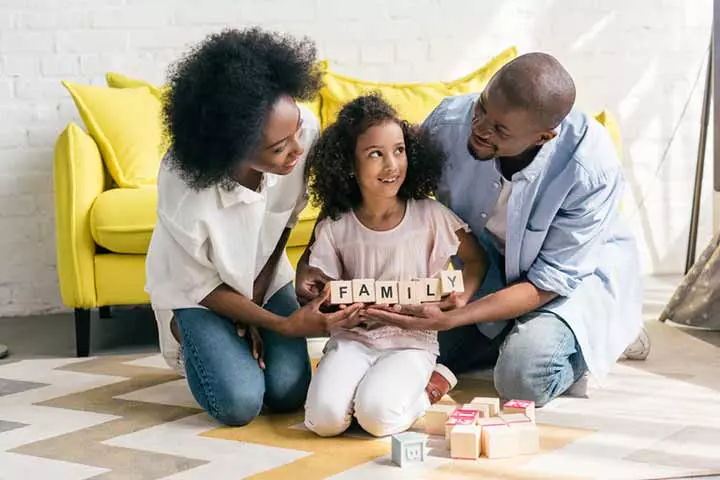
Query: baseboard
716, 212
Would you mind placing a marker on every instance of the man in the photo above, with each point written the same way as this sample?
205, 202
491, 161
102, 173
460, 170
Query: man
540, 185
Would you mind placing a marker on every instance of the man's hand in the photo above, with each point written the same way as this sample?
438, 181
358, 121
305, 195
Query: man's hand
309, 282
256, 343
409, 317
309, 320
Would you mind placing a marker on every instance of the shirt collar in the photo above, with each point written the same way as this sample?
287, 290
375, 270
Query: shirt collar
241, 194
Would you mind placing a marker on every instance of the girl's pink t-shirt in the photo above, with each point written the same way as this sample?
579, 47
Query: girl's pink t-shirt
418, 247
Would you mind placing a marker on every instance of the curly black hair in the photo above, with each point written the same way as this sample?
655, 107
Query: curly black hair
221, 93
331, 161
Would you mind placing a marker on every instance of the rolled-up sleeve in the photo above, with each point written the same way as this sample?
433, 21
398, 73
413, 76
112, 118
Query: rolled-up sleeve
570, 250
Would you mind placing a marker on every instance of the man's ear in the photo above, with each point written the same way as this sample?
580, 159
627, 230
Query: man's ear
545, 137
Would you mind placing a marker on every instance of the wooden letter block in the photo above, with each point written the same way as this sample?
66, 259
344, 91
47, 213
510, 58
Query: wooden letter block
526, 407
429, 289
386, 292
363, 290
493, 402
514, 418
528, 437
451, 281
435, 418
408, 447
465, 441
460, 417
499, 441
483, 409
341, 292
407, 294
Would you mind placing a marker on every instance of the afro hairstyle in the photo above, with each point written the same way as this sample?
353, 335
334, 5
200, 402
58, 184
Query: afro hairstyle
220, 95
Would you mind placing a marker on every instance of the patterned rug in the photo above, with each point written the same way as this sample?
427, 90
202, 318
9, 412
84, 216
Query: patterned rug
128, 417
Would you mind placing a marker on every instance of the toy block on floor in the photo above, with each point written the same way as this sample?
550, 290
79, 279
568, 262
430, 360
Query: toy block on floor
436, 417
460, 417
483, 409
386, 292
465, 441
493, 402
528, 437
429, 290
407, 293
498, 439
408, 447
526, 407
451, 281
341, 292
363, 290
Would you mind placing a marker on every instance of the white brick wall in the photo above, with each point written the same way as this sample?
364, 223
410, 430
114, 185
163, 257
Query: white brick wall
642, 59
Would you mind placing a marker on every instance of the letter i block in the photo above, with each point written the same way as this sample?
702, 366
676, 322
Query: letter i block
386, 292
341, 292
363, 290
429, 289
451, 281
408, 447
408, 293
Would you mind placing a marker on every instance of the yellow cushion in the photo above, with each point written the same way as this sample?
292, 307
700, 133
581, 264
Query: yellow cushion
126, 125
118, 80
609, 121
123, 219
413, 101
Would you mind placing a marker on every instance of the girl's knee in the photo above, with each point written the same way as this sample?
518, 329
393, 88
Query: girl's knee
326, 419
380, 417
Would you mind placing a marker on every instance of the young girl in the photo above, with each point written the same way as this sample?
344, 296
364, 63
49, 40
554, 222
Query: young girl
372, 174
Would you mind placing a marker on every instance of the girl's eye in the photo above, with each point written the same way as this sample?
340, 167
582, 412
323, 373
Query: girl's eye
400, 150
376, 153
279, 149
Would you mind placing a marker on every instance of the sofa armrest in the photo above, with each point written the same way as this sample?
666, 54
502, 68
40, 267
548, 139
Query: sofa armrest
78, 177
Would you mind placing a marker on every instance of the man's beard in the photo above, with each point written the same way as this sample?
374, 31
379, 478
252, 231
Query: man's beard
475, 155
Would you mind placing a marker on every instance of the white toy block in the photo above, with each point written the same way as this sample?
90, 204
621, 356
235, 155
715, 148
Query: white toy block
514, 418
386, 292
526, 407
407, 293
408, 447
451, 281
493, 402
465, 441
460, 417
341, 292
483, 409
498, 439
528, 437
429, 290
436, 417
363, 290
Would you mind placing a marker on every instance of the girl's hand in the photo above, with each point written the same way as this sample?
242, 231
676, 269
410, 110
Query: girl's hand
409, 317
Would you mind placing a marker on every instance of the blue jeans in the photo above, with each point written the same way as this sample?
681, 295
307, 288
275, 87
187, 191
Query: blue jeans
536, 357
224, 377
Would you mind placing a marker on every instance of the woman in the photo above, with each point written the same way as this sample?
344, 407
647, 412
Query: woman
229, 191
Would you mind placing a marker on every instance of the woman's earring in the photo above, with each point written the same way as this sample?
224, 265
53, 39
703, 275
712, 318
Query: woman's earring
352, 174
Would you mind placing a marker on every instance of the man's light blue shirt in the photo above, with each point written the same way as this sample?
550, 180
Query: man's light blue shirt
564, 233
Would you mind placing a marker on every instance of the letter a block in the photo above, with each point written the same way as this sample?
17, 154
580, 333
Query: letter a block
386, 292
363, 290
451, 281
341, 292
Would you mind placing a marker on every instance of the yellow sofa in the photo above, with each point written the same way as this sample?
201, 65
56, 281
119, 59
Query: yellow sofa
104, 180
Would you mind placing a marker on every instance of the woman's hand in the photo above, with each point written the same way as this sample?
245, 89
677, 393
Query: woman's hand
409, 317
309, 320
309, 282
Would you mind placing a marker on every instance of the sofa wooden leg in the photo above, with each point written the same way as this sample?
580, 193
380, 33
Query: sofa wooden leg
105, 312
82, 332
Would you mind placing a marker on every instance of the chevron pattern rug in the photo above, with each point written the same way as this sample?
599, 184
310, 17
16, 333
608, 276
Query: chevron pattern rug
129, 417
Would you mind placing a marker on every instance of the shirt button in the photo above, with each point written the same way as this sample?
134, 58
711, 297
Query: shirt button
483, 215
496, 185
